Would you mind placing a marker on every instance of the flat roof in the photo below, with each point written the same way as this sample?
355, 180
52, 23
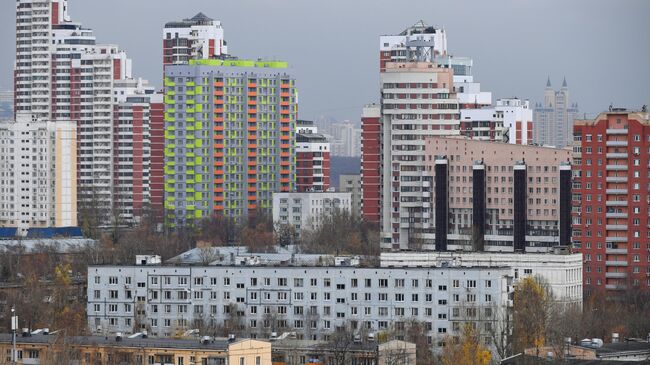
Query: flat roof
217, 344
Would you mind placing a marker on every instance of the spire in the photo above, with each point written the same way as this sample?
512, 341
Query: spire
548, 82
564, 82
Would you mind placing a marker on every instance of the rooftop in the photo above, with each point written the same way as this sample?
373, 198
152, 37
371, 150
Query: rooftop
198, 19
216, 344
240, 63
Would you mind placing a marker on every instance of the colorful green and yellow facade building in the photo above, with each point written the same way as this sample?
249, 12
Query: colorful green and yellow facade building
229, 138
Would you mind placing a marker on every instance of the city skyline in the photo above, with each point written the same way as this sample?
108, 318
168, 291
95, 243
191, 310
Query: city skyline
575, 39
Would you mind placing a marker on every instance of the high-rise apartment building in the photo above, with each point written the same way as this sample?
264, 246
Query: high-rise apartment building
425, 92
510, 119
38, 174
499, 197
611, 204
132, 150
62, 74
553, 119
198, 37
229, 137
312, 158
371, 164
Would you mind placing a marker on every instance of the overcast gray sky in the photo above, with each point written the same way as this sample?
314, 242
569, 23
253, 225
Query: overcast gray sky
603, 47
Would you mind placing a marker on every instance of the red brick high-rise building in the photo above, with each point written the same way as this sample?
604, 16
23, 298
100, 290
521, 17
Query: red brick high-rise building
611, 204
371, 163
312, 158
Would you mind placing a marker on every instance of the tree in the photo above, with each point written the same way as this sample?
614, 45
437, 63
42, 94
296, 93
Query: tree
466, 350
500, 331
532, 305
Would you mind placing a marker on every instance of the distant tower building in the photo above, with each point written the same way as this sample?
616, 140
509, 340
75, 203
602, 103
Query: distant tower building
312, 158
553, 120
196, 38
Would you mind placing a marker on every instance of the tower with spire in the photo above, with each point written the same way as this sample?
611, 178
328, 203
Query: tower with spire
553, 119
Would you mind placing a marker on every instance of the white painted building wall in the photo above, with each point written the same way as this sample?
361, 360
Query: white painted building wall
306, 211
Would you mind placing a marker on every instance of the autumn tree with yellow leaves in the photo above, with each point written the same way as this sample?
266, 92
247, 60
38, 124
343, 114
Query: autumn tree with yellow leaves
533, 304
465, 350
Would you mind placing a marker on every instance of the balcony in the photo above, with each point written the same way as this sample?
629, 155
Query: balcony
615, 239
615, 287
616, 251
615, 275
616, 167
616, 191
616, 155
616, 179
615, 215
617, 131
616, 143
616, 263
616, 203
616, 227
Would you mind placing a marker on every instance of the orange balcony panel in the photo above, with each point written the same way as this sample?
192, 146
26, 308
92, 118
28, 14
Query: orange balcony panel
218, 190
252, 154
252, 111
252, 172
252, 163
284, 103
218, 92
251, 181
284, 145
218, 163
252, 206
284, 172
284, 95
284, 120
218, 84
218, 110
252, 129
218, 136
252, 137
218, 207
284, 129
284, 163
284, 180
252, 145
219, 172
252, 93
252, 84
252, 198
218, 145
218, 128
284, 154
284, 138
218, 154
218, 119
285, 112
252, 120
284, 86
252, 102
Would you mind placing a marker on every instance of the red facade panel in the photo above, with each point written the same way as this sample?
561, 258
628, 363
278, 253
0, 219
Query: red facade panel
371, 169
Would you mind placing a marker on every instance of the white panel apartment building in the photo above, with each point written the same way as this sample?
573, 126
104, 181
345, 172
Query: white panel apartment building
561, 271
313, 301
62, 74
306, 211
38, 174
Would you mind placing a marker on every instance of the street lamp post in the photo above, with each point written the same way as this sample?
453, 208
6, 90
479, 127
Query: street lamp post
14, 328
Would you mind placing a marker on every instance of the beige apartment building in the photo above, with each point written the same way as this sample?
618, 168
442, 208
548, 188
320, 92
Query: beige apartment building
499, 197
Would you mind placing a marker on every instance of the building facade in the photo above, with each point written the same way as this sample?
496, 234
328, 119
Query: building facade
312, 158
371, 163
553, 120
198, 37
38, 175
306, 211
611, 204
561, 270
229, 137
312, 301
61, 73
351, 183
488, 196
43, 349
